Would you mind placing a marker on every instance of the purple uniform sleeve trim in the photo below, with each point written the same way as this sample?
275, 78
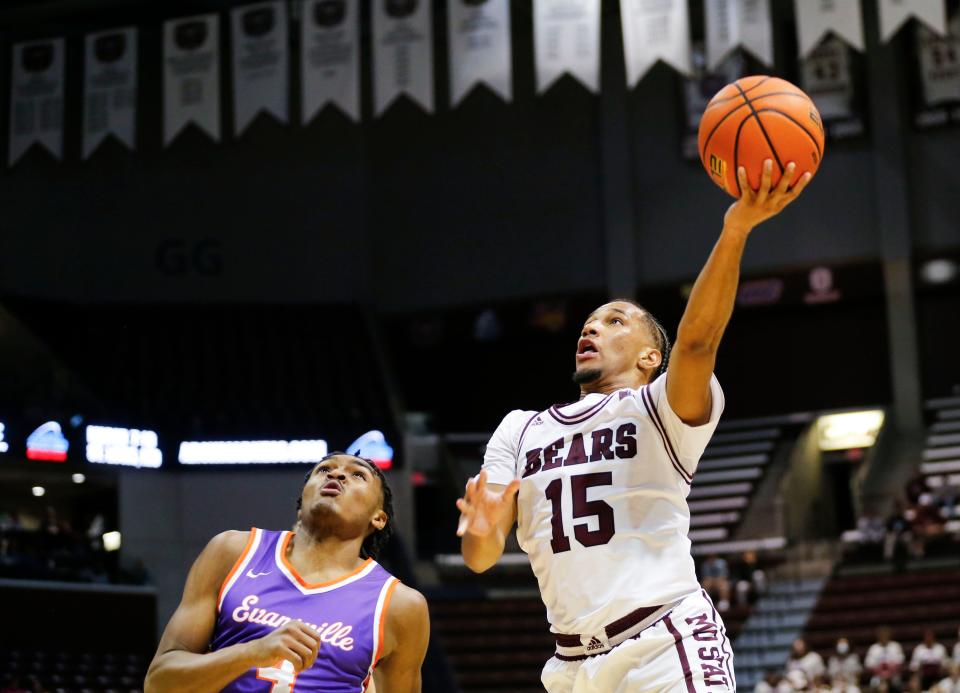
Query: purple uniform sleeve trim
678, 641
658, 424
728, 655
523, 433
583, 416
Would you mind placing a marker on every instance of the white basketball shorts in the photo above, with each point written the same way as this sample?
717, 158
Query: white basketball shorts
686, 651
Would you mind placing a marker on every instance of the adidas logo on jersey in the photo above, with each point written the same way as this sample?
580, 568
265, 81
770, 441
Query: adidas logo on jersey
595, 644
537, 421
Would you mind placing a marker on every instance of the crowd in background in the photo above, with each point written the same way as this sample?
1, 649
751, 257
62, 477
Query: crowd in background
884, 668
924, 519
54, 550
738, 581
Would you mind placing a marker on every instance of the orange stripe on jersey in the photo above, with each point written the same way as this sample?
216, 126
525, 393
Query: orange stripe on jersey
236, 566
313, 586
383, 620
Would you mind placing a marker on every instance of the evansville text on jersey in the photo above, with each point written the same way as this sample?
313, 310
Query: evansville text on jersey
335, 634
605, 444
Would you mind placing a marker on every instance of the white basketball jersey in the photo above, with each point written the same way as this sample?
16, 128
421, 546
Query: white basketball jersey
602, 507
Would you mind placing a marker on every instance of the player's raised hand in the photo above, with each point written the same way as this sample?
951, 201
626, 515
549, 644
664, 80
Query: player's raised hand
294, 641
482, 508
755, 207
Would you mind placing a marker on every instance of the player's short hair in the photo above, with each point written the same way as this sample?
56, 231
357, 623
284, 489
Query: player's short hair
658, 333
374, 543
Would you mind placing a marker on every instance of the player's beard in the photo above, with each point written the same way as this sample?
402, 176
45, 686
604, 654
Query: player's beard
587, 375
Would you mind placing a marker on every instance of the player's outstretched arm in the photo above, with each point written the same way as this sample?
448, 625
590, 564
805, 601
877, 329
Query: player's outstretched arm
487, 513
406, 636
183, 663
712, 298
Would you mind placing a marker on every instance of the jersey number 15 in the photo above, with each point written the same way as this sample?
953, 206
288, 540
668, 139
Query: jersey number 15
579, 484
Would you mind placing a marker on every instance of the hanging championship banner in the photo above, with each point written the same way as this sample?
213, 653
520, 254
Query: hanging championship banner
191, 75
566, 37
655, 30
738, 23
894, 13
402, 52
110, 88
479, 35
260, 47
827, 78
330, 57
36, 98
939, 63
815, 18
699, 88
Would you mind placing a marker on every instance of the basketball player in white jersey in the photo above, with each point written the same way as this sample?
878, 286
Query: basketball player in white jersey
598, 488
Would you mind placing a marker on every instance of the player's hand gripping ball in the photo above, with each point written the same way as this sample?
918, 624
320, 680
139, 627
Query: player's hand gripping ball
757, 118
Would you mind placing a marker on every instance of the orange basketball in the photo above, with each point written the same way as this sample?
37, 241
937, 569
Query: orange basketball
758, 118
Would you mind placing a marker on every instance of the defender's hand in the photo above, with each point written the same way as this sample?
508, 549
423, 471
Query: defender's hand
294, 641
482, 509
755, 207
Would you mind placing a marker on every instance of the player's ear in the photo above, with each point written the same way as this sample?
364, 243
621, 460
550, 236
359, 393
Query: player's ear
650, 360
379, 520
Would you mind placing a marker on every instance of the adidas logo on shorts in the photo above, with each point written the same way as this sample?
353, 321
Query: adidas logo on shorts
594, 645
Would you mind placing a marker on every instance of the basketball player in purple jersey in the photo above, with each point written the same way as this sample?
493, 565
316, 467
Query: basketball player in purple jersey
598, 488
308, 610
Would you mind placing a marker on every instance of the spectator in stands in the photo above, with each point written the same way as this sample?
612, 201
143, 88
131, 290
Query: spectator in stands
929, 660
9, 521
802, 659
715, 579
749, 578
771, 683
844, 683
871, 528
898, 531
844, 663
951, 684
916, 487
926, 524
884, 660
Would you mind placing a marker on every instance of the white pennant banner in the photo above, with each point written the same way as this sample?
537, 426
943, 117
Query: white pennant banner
479, 35
827, 79
815, 18
110, 88
733, 23
566, 36
36, 98
402, 52
655, 30
940, 64
260, 59
191, 75
893, 14
330, 57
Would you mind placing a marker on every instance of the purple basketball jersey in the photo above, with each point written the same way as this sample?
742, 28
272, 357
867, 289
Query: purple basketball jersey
264, 591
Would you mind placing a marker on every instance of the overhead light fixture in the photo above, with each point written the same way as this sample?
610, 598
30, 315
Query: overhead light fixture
939, 271
78, 478
38, 491
111, 541
855, 429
